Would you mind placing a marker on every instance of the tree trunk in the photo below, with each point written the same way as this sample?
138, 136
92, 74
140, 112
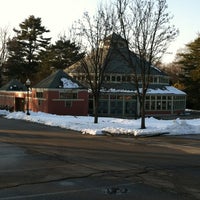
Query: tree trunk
142, 110
96, 102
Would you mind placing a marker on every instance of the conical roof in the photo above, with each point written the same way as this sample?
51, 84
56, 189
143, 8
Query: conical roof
118, 59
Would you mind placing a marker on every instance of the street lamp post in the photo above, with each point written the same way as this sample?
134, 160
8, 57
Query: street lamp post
28, 83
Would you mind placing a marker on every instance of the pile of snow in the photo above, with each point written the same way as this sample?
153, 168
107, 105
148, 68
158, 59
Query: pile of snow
85, 124
4, 112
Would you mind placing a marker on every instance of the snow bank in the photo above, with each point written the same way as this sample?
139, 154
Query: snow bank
4, 112
184, 127
111, 125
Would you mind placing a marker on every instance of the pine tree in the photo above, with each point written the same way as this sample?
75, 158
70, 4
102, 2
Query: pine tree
15, 63
63, 53
190, 76
31, 44
60, 55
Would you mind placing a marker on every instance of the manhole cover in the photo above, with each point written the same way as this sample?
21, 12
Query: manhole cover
116, 190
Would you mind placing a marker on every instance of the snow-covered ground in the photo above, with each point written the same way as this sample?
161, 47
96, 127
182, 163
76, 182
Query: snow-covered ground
110, 125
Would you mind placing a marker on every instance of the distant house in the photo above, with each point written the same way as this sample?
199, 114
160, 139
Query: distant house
57, 94
13, 95
60, 94
118, 93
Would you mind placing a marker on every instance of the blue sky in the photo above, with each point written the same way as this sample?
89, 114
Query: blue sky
57, 15
187, 20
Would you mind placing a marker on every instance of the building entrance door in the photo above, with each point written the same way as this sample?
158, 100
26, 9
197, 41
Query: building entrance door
19, 104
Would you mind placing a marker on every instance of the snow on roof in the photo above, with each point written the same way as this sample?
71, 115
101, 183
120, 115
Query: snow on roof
67, 83
164, 90
156, 68
116, 90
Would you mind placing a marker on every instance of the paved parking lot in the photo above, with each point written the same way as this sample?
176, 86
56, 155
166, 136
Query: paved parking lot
41, 162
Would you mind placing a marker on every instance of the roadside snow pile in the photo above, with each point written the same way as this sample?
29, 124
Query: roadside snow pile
182, 127
4, 112
111, 125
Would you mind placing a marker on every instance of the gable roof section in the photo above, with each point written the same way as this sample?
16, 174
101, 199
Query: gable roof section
59, 79
14, 85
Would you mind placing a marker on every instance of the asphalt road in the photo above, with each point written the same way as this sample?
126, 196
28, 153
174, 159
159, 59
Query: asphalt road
41, 162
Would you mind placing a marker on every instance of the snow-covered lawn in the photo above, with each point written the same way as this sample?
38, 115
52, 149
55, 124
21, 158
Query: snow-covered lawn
110, 125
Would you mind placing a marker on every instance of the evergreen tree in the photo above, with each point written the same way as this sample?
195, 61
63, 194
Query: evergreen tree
24, 60
60, 55
190, 76
15, 64
63, 53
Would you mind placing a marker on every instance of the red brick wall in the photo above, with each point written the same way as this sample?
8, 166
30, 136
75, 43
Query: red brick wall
51, 103
8, 99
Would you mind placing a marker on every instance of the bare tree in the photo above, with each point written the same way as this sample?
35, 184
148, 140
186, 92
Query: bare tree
92, 31
4, 36
145, 24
